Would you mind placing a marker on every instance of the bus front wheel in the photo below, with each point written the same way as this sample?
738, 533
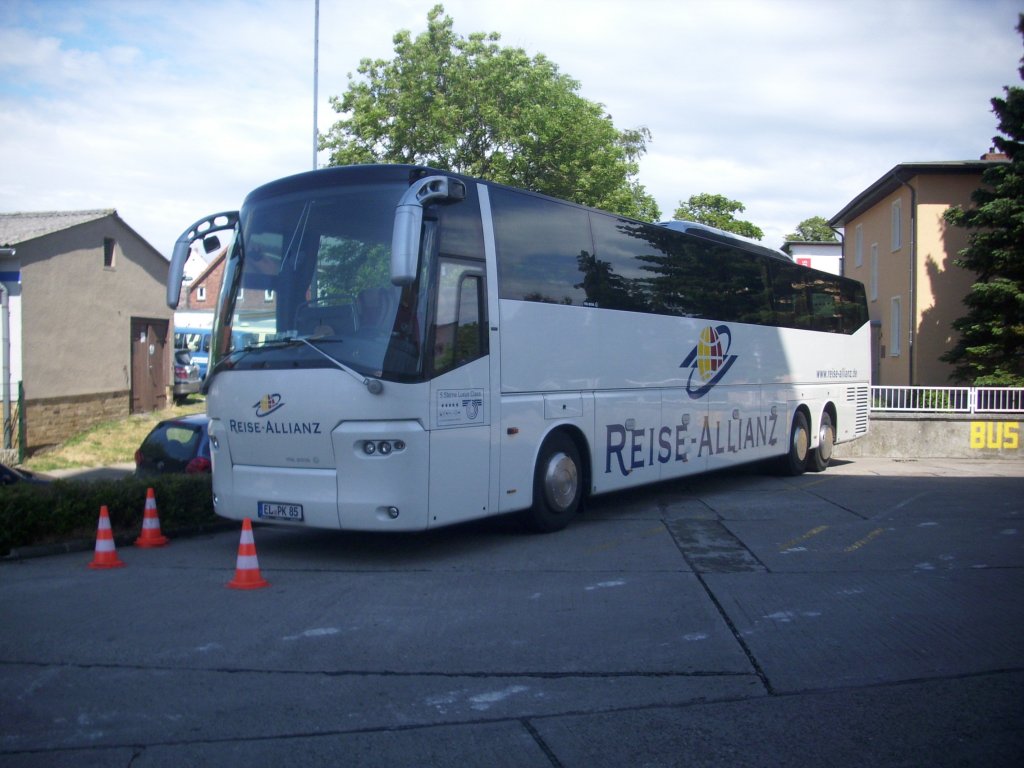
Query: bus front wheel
822, 455
557, 485
795, 462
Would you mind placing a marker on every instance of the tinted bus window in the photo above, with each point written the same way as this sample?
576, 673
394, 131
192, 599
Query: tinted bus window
620, 274
854, 306
540, 246
816, 301
709, 280
545, 254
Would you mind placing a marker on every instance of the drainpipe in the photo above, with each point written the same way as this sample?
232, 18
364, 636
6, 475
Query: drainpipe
5, 314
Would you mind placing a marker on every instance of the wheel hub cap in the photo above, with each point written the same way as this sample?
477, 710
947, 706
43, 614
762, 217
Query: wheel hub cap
560, 482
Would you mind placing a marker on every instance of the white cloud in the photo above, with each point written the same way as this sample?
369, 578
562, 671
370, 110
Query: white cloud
169, 111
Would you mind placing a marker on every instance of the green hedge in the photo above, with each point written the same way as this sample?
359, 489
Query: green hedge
68, 510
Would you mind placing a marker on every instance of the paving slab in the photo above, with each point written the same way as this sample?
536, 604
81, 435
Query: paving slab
164, 704
854, 629
967, 722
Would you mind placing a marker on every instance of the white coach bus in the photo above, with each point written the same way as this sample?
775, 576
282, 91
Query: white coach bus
426, 348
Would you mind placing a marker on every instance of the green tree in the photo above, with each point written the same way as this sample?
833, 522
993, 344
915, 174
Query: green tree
470, 105
717, 211
990, 351
813, 230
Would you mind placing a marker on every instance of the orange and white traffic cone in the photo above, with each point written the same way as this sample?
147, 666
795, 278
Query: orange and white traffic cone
247, 567
150, 535
106, 552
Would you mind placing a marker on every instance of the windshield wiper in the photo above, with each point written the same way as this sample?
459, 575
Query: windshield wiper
295, 243
373, 386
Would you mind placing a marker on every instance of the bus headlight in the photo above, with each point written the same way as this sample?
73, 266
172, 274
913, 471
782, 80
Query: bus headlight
382, 447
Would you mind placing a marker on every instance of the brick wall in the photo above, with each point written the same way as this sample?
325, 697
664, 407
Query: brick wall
211, 281
54, 420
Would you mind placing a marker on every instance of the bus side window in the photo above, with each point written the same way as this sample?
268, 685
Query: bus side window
468, 333
459, 325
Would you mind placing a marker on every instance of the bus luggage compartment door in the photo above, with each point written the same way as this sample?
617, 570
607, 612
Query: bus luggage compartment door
735, 431
629, 424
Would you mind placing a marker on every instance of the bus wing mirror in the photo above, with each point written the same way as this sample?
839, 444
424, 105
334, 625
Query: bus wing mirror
405, 243
199, 230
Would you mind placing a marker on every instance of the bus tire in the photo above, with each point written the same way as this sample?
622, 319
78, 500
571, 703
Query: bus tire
557, 485
795, 461
820, 457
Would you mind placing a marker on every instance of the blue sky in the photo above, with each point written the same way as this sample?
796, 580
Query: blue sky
168, 111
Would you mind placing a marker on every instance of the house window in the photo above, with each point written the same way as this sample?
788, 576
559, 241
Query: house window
268, 296
858, 246
895, 326
109, 245
201, 293
874, 272
897, 224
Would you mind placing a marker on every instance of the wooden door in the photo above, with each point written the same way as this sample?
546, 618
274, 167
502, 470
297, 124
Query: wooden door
149, 365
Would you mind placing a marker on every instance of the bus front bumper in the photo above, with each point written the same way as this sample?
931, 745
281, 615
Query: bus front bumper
380, 483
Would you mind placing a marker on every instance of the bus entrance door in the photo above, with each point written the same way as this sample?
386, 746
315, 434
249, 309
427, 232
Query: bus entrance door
460, 446
460, 419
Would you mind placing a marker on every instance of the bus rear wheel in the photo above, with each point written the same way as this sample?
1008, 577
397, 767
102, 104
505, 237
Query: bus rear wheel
795, 462
821, 456
557, 486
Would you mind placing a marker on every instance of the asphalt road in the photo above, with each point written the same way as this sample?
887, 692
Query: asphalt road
871, 615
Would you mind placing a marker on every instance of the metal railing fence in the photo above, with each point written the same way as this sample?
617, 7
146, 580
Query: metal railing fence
948, 399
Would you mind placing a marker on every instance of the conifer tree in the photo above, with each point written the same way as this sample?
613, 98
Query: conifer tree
990, 351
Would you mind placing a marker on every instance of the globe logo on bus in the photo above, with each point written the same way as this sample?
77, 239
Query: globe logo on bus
709, 353
267, 404
709, 360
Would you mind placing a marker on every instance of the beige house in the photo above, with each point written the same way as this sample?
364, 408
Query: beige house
897, 243
89, 326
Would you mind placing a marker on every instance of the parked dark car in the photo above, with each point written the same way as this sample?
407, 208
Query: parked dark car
11, 475
186, 375
175, 445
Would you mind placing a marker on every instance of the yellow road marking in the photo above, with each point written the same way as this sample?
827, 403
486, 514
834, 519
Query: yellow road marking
811, 533
858, 544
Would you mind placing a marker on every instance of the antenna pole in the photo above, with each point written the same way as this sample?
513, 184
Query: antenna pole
316, 73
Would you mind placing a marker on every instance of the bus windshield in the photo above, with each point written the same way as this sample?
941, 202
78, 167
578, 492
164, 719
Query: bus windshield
308, 283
